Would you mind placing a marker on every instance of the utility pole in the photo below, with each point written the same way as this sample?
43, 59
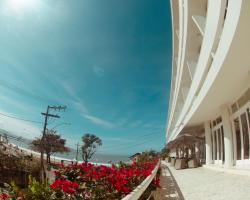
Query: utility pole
47, 115
77, 151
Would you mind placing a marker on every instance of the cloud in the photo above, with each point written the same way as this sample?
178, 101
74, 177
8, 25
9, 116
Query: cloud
122, 122
22, 106
98, 121
98, 71
77, 102
19, 128
115, 139
82, 108
136, 123
68, 89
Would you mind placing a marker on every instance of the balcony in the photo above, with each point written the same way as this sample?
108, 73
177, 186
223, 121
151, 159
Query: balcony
200, 22
191, 68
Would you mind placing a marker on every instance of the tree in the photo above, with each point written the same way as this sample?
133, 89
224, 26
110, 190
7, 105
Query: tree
90, 144
165, 153
52, 143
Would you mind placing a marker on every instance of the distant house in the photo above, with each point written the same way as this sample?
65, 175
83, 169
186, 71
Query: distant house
135, 157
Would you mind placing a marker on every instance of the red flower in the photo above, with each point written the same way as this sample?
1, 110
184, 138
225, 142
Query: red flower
65, 185
99, 178
4, 196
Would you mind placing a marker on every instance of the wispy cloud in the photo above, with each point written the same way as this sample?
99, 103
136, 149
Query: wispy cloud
17, 127
136, 123
82, 108
74, 99
68, 89
116, 139
98, 121
122, 122
98, 71
22, 106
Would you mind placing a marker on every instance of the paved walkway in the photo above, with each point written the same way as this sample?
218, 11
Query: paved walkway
206, 184
169, 190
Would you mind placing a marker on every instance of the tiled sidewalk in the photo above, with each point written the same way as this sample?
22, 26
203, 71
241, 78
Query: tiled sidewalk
169, 190
206, 184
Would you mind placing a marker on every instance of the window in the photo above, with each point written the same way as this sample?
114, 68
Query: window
215, 145
245, 133
238, 138
212, 146
248, 115
219, 143
223, 149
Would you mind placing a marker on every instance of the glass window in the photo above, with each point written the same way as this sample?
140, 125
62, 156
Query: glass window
212, 146
223, 145
248, 114
219, 143
245, 133
238, 138
215, 145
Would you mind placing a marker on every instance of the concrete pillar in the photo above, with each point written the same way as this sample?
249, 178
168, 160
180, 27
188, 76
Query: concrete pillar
208, 143
228, 136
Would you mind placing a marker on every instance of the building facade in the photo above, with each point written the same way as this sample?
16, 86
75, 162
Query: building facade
210, 87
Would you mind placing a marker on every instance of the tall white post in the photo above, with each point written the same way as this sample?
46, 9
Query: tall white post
208, 143
228, 136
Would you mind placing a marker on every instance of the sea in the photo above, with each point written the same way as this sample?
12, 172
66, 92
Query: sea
97, 158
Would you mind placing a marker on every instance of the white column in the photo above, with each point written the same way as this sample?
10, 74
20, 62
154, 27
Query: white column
228, 137
208, 143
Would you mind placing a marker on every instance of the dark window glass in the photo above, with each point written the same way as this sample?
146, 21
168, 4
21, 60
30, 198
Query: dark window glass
212, 147
245, 133
219, 143
238, 138
223, 145
215, 146
248, 114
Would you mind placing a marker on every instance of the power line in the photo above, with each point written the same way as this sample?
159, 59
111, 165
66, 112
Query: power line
135, 139
22, 91
18, 118
134, 145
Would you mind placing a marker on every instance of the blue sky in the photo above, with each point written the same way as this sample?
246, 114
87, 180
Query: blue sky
108, 61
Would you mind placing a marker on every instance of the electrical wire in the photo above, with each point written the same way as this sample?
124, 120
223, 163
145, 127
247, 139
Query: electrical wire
5, 115
135, 139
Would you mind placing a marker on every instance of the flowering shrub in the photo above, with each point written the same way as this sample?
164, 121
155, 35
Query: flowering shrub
90, 181
4, 195
87, 181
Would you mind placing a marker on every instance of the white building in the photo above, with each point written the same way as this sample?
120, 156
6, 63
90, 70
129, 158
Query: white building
210, 88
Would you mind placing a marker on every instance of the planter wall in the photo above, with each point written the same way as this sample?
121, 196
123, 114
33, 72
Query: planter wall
138, 191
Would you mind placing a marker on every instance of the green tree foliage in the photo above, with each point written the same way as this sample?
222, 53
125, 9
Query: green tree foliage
90, 144
165, 153
52, 143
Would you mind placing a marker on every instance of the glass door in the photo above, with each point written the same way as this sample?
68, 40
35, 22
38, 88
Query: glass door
218, 141
241, 126
238, 138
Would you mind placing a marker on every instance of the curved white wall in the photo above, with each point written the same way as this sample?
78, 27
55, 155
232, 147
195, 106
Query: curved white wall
207, 68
